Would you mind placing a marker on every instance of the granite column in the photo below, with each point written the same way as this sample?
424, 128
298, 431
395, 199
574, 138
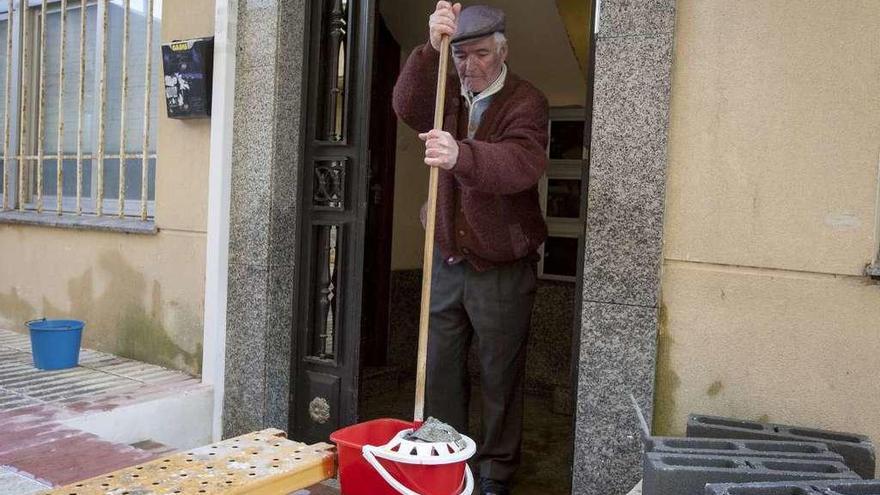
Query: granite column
623, 241
266, 150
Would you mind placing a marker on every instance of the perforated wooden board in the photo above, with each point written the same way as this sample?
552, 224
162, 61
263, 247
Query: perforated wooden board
258, 463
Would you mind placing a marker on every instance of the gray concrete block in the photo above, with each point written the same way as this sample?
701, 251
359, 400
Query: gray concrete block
842, 487
682, 474
812, 487
857, 450
766, 488
742, 448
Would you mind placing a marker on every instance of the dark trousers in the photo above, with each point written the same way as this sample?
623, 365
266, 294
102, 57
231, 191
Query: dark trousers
496, 305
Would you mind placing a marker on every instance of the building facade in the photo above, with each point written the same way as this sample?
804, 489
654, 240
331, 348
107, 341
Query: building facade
728, 229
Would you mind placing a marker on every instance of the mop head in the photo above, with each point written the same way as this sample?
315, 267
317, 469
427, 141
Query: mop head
434, 430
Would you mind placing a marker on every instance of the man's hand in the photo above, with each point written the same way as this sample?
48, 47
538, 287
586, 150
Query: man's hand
441, 149
444, 20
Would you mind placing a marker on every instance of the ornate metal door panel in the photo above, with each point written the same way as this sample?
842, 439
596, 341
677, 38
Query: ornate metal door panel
333, 211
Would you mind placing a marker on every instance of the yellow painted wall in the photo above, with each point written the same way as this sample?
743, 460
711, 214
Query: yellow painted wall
410, 192
141, 296
772, 215
575, 15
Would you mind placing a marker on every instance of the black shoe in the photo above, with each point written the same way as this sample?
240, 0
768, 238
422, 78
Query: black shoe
493, 487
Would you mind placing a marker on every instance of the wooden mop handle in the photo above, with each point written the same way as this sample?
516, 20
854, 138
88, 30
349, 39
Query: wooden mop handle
425, 313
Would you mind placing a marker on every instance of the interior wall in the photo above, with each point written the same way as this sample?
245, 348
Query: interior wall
410, 192
772, 215
142, 296
575, 15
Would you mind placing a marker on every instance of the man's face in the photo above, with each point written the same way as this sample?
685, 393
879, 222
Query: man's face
478, 62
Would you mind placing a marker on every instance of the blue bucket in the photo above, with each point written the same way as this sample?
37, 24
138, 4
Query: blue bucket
55, 343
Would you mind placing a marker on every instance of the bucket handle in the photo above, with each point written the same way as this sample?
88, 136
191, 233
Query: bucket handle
370, 452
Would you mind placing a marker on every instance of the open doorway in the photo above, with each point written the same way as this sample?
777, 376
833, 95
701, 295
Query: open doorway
548, 47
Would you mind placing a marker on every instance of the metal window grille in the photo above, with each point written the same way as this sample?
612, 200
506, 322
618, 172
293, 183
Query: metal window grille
78, 106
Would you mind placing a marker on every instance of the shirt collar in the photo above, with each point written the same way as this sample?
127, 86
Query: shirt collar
491, 90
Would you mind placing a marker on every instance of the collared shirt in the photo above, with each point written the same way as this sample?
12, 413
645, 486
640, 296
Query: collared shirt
477, 104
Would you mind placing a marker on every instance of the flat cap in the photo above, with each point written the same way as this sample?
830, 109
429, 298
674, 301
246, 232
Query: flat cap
477, 21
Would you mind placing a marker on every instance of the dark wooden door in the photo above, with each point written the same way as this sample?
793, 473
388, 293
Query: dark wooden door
380, 210
333, 210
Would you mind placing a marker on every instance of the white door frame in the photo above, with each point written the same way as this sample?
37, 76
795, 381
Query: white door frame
219, 186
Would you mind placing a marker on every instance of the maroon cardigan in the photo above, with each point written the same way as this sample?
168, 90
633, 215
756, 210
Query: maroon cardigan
487, 206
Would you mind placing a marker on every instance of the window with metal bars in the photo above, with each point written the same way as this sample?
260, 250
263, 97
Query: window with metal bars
79, 87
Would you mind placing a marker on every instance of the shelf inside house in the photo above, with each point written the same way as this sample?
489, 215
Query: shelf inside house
562, 192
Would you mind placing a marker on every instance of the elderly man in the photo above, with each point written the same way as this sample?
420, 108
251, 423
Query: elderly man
489, 225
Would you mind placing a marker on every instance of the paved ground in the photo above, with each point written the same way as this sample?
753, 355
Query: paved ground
36, 448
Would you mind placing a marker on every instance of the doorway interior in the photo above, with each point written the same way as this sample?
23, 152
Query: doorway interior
549, 46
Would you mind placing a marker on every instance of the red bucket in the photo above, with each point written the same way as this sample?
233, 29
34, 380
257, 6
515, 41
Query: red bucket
358, 477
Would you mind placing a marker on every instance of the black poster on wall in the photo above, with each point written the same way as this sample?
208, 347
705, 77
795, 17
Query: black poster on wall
188, 67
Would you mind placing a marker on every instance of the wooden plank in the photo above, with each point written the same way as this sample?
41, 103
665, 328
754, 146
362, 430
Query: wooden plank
260, 463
